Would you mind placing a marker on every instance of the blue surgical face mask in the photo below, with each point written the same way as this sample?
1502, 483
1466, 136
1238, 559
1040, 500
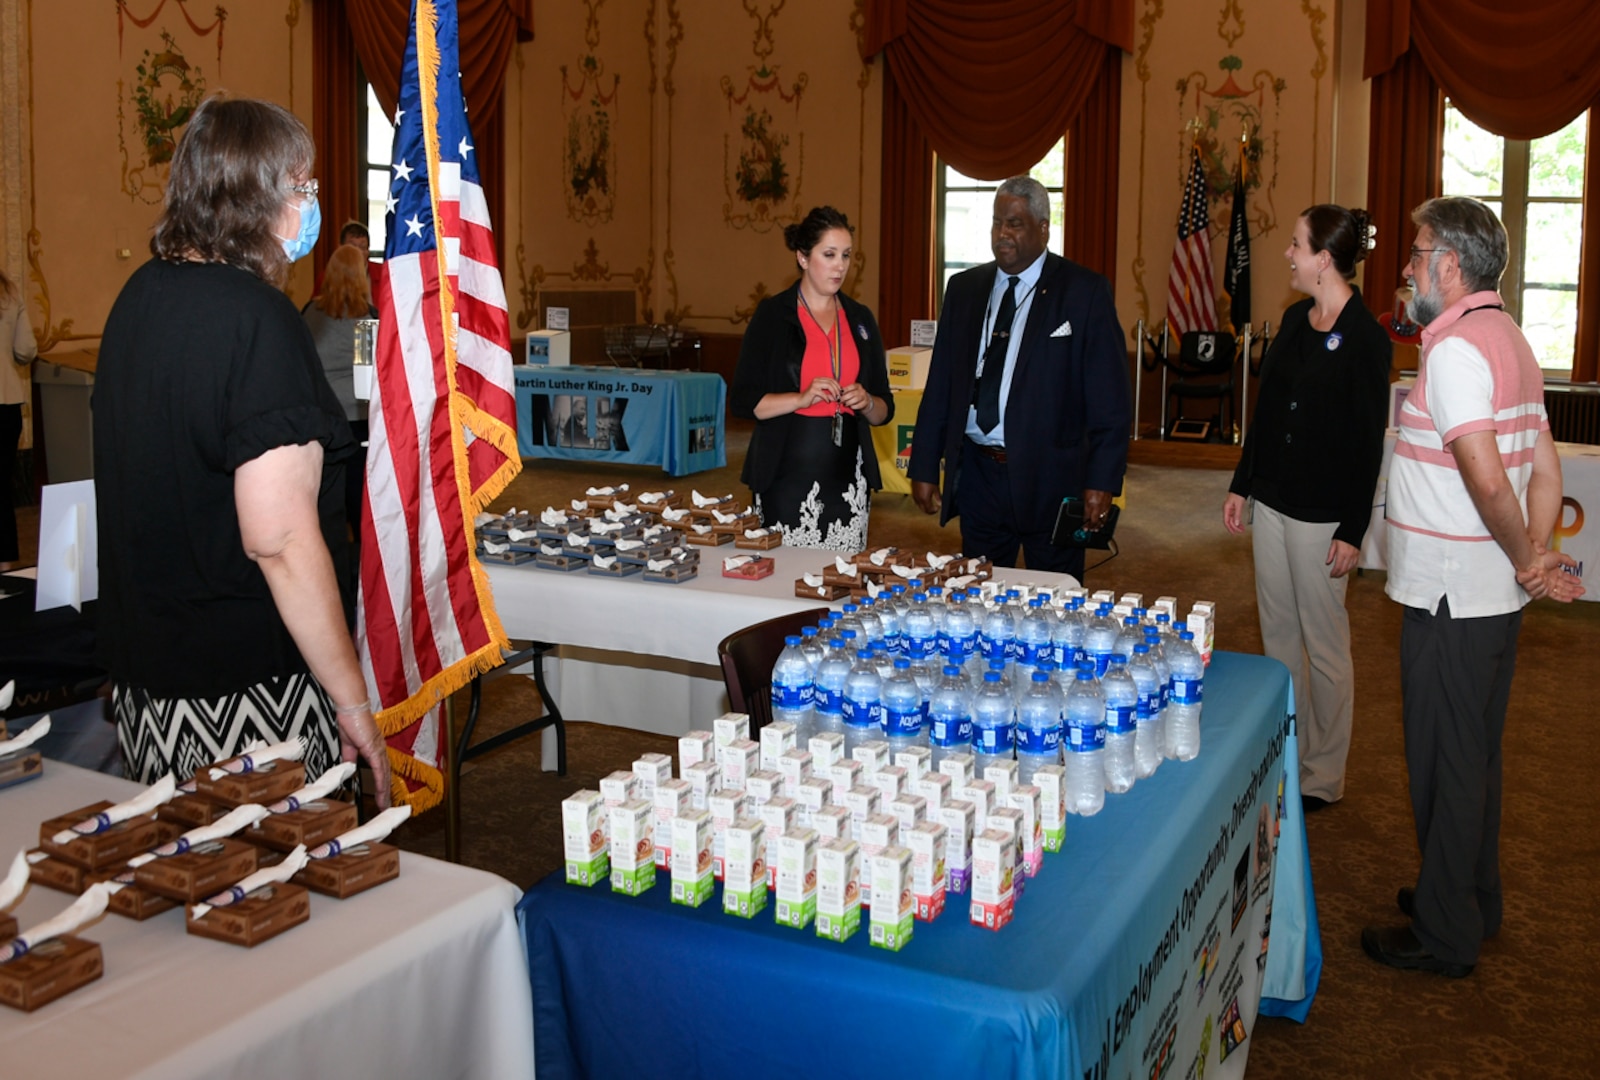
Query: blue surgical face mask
310, 227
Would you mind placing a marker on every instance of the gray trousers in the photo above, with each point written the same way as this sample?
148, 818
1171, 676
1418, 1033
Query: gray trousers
1304, 626
1455, 678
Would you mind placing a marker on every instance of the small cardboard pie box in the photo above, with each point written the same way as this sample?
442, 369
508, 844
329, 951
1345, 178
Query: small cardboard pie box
130, 900
21, 766
759, 543
55, 873
51, 970
204, 870
113, 847
266, 784
354, 870
315, 823
191, 811
8, 928
260, 916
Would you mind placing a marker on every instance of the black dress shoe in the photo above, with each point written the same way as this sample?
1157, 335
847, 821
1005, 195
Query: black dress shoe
1312, 803
1406, 901
1398, 947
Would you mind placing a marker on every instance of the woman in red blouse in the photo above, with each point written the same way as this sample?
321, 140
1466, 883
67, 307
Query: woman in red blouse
812, 374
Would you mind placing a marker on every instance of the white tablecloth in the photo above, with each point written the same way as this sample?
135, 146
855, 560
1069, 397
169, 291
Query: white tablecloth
423, 976
643, 655
1577, 531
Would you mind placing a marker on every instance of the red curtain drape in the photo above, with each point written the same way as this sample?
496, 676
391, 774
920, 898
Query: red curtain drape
489, 30
335, 106
1407, 121
1519, 70
990, 87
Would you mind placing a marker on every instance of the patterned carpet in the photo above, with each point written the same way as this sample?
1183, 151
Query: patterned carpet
1526, 1011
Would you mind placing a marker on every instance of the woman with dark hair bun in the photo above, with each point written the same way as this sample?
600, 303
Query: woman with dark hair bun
1309, 468
812, 374
225, 587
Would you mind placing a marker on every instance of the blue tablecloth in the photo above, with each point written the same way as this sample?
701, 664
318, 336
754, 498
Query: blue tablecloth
674, 419
1132, 953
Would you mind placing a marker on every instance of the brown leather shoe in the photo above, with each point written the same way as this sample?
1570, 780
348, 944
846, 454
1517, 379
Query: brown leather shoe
1398, 947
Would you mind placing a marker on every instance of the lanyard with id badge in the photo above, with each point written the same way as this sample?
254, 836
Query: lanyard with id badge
835, 359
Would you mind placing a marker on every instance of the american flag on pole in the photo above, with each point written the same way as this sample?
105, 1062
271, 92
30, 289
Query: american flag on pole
442, 440
1191, 299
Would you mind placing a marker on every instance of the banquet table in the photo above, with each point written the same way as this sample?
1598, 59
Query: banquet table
626, 642
674, 419
1140, 949
422, 976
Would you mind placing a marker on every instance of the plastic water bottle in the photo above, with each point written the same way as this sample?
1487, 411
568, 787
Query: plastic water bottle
1130, 635
1034, 646
883, 662
961, 630
950, 716
863, 705
1122, 712
811, 645
1101, 640
871, 625
1067, 636
828, 695
889, 616
996, 633
792, 691
1147, 742
902, 709
1158, 660
938, 609
917, 631
992, 722
847, 619
1183, 714
1084, 745
925, 670
1038, 727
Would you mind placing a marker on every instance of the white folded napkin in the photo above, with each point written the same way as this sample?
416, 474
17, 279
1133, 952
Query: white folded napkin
84, 909
650, 498
813, 580
724, 519
374, 830
288, 868
960, 582
580, 505
604, 562
703, 501
938, 562
520, 534
15, 881
552, 516
904, 571
848, 569
601, 491
674, 515
37, 731
620, 510
143, 803
654, 531
577, 540
315, 790
655, 566
550, 549
606, 528
879, 557
733, 562
756, 534
629, 545
240, 817
293, 750
480, 520
701, 530
495, 549
873, 588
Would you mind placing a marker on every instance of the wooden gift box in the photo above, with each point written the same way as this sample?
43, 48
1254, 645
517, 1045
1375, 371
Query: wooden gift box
260, 916
562, 562
824, 591
53, 969
351, 871
754, 570
266, 784
57, 874
113, 847
834, 576
511, 557
668, 499
737, 526
191, 811
315, 823
618, 568
710, 539
893, 558
8, 928
759, 543
20, 767
204, 870
676, 574
130, 901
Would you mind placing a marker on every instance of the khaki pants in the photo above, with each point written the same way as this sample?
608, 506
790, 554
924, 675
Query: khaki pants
1304, 625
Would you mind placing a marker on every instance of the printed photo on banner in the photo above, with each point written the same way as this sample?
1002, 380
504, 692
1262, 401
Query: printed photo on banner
577, 422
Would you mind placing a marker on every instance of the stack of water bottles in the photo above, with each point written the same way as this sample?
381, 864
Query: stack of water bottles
993, 674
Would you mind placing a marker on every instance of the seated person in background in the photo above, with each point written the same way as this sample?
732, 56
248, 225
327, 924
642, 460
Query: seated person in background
355, 234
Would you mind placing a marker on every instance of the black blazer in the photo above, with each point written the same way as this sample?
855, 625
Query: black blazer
1315, 443
1068, 416
769, 363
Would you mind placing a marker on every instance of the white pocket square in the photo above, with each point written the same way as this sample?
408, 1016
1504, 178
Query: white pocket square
1064, 330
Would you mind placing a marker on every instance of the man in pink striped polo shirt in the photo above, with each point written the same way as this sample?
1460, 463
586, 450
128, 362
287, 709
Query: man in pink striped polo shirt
1474, 493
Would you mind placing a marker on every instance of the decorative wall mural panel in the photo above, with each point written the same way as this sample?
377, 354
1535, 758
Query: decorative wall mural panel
1219, 120
588, 149
161, 81
764, 150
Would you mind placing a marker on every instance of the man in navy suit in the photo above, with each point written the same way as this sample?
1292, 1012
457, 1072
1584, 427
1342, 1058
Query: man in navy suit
1027, 399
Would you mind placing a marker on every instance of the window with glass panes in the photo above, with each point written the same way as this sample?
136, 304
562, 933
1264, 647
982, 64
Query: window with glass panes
1536, 188
377, 143
966, 211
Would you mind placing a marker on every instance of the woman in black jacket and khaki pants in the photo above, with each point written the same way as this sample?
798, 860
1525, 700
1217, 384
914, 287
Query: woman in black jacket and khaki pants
812, 374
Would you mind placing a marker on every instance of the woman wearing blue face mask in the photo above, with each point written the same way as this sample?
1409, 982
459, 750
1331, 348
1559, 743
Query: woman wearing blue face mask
226, 592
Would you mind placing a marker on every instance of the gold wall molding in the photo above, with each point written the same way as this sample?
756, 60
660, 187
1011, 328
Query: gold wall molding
1153, 12
1315, 16
291, 19
1230, 23
761, 191
165, 90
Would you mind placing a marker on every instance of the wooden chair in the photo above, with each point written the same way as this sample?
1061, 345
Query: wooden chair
747, 657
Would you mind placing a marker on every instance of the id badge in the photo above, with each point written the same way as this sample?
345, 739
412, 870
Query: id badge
838, 429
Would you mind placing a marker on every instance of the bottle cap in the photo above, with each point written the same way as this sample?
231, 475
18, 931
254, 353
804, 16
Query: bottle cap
991, 676
902, 664
792, 639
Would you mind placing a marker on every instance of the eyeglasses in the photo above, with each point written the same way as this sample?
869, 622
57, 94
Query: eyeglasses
309, 189
1424, 251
